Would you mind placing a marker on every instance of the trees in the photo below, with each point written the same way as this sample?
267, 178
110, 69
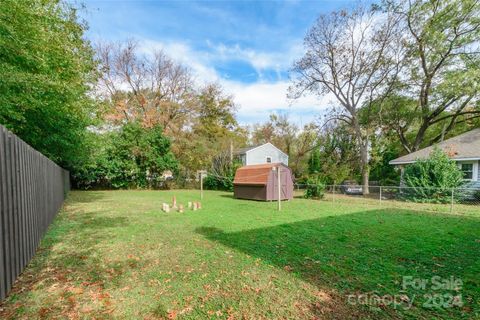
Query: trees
294, 141
335, 157
442, 68
131, 157
411, 68
383, 149
278, 130
216, 112
306, 141
213, 130
314, 161
221, 172
352, 55
46, 73
152, 89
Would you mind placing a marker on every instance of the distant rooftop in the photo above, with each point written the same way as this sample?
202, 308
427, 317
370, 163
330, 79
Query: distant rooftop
244, 150
462, 147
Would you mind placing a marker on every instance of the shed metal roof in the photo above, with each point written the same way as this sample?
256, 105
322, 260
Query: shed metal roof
256, 174
462, 147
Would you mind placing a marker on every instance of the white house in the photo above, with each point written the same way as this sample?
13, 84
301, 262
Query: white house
464, 149
265, 153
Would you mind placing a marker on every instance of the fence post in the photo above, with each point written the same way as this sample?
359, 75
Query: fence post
380, 194
201, 185
333, 193
451, 203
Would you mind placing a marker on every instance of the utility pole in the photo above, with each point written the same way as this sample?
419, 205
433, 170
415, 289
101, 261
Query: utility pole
279, 189
231, 152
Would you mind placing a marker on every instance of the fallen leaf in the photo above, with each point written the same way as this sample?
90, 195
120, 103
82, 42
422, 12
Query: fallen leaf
172, 314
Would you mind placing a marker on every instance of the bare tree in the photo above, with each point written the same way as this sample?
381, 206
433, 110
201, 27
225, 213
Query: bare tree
150, 88
353, 55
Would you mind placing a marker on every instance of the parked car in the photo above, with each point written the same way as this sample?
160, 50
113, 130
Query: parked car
351, 187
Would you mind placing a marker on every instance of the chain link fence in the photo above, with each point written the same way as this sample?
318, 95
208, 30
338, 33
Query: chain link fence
451, 200
462, 200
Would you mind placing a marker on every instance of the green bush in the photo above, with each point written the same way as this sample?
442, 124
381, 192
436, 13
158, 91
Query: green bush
315, 188
219, 183
133, 157
432, 179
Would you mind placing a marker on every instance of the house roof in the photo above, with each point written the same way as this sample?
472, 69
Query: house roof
256, 174
462, 147
246, 149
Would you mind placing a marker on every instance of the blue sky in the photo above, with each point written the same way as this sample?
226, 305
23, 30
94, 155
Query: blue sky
246, 46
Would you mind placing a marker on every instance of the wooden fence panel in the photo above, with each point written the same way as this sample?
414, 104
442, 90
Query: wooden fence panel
3, 228
32, 190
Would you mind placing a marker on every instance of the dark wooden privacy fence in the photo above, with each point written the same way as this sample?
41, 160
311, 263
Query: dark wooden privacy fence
32, 190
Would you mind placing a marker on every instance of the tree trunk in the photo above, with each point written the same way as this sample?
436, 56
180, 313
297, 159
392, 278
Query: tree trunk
363, 143
420, 135
365, 168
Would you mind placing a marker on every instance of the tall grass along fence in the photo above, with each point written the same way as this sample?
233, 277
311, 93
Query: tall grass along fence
462, 200
32, 190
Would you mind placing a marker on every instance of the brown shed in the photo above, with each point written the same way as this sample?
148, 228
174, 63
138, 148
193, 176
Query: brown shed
259, 182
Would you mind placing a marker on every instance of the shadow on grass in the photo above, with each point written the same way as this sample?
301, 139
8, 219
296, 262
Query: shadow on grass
369, 251
97, 220
69, 256
84, 196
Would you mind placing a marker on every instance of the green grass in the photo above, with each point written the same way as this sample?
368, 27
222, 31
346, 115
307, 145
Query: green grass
114, 254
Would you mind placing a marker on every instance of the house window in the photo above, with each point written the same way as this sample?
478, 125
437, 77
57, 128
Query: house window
269, 159
467, 169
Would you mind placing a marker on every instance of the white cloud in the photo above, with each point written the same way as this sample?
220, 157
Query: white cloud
257, 100
260, 61
199, 62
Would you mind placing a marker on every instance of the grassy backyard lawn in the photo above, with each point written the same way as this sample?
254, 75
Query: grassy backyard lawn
115, 254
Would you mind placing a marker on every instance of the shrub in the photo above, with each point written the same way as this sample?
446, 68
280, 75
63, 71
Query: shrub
315, 188
132, 157
218, 183
432, 179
